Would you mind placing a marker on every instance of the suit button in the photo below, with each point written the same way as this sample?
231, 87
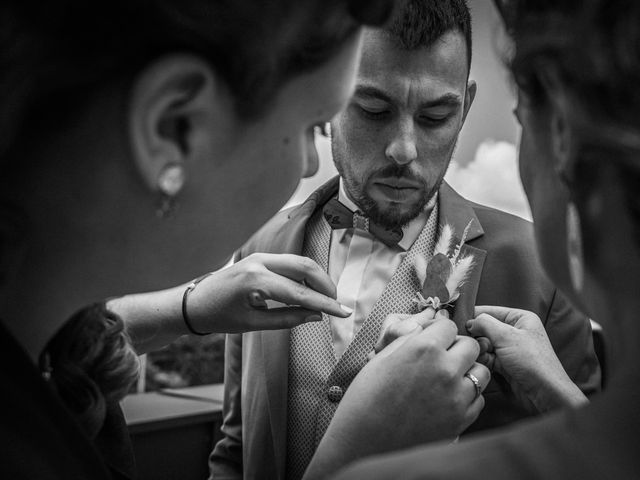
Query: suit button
335, 394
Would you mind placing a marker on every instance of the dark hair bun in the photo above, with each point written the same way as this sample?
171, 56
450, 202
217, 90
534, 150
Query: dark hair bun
92, 364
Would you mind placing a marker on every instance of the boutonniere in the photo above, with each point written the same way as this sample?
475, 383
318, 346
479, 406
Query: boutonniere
443, 276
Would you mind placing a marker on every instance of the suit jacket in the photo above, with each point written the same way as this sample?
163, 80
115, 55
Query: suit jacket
507, 272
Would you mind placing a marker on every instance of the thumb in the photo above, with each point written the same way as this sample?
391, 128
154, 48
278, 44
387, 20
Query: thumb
425, 317
397, 343
484, 325
394, 331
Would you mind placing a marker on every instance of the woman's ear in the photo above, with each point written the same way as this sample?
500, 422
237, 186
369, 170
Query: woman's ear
560, 131
176, 106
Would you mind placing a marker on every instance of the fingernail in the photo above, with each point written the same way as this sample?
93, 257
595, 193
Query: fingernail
444, 313
346, 309
469, 325
314, 318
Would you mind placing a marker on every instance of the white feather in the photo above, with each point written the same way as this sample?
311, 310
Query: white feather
456, 251
444, 241
421, 268
459, 274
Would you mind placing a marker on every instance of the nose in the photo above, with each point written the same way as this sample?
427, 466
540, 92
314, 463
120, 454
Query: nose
402, 146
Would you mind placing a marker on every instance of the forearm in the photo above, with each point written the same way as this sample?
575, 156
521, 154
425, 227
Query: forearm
557, 391
152, 319
336, 450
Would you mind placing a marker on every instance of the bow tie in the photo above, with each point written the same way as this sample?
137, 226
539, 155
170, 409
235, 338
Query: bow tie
338, 216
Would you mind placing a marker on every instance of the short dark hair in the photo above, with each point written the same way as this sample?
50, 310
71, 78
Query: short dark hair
419, 23
59, 51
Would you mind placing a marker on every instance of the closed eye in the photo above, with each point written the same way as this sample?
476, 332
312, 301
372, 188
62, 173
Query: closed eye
373, 114
433, 120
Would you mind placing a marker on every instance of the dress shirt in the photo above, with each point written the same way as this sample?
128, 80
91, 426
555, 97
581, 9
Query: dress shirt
361, 266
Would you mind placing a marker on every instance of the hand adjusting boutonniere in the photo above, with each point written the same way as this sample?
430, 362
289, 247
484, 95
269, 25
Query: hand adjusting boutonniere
446, 272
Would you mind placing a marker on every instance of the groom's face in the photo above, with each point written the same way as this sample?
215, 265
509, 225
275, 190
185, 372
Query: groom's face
393, 143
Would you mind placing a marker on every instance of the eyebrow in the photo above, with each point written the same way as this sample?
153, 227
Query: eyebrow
448, 99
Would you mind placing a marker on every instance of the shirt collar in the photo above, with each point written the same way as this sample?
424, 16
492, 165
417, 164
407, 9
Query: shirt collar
411, 231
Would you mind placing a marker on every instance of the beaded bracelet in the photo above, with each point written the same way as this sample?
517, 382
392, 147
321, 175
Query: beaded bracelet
185, 296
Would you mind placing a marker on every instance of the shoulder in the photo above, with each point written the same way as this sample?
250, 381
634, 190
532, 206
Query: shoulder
275, 224
284, 233
499, 228
508, 239
544, 448
511, 273
262, 240
504, 229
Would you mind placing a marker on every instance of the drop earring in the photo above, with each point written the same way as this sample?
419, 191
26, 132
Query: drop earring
574, 248
170, 182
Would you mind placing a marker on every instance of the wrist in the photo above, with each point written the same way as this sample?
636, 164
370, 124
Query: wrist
186, 318
556, 392
151, 319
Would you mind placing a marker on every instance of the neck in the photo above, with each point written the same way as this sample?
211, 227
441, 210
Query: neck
67, 244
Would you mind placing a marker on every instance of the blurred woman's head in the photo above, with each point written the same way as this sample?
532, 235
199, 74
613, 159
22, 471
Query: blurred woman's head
577, 67
201, 110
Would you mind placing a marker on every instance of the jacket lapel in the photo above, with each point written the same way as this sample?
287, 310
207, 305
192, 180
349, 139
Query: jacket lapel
458, 212
275, 343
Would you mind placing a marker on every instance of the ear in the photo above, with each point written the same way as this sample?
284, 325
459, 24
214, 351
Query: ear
559, 129
470, 95
174, 108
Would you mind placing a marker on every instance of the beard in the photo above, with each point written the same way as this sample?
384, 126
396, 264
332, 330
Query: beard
393, 216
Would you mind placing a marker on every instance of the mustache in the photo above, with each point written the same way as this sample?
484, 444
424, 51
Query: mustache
398, 171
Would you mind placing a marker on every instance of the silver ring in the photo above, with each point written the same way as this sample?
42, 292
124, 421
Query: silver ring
476, 383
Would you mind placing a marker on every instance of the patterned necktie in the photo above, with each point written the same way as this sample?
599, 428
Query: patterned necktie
338, 216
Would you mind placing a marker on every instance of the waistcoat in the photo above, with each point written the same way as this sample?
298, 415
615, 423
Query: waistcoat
317, 381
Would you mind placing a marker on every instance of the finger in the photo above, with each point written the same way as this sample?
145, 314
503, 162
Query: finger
290, 292
476, 380
505, 314
485, 345
285, 318
493, 310
300, 269
439, 315
393, 318
463, 353
396, 344
488, 360
425, 317
485, 325
388, 321
441, 333
482, 373
474, 410
396, 330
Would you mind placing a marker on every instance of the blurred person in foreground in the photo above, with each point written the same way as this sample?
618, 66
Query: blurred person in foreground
577, 67
392, 146
140, 146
